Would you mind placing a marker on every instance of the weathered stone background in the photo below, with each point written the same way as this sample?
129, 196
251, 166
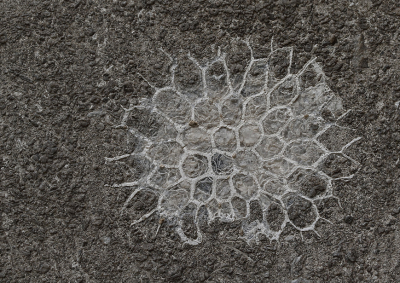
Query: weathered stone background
60, 60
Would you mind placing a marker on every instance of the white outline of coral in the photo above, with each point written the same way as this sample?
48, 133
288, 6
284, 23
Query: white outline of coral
260, 228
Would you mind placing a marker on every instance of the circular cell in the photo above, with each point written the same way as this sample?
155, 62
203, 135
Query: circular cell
221, 164
195, 165
225, 139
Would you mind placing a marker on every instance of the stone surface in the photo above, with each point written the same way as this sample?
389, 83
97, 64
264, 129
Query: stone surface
82, 201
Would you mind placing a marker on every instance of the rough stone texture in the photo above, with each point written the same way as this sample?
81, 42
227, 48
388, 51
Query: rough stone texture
68, 68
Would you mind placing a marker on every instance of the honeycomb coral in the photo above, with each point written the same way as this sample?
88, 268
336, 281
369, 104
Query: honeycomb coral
219, 140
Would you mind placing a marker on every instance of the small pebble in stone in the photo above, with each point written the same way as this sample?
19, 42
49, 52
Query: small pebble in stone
193, 124
349, 219
106, 240
123, 101
100, 126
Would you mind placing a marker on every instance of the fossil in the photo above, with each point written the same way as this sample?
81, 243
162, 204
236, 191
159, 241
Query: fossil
220, 141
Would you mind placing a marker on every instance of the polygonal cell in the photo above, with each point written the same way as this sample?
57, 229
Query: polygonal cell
256, 78
167, 131
213, 208
167, 153
134, 143
278, 166
336, 137
202, 216
337, 165
300, 211
311, 101
263, 177
203, 189
249, 134
225, 139
256, 213
173, 105
245, 185
196, 139
274, 186
247, 161
279, 65
256, 107
311, 76
334, 108
188, 79
216, 81
143, 202
303, 152
231, 110
174, 200
275, 216
239, 206
269, 147
302, 127
206, 114
237, 61
188, 220
221, 164
275, 121
155, 68
165, 177
284, 93
195, 165
226, 211
265, 201
145, 122
308, 182
137, 166
222, 189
